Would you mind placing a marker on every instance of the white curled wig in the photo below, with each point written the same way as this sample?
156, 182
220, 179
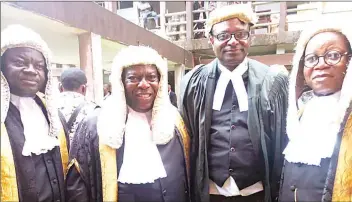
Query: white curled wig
15, 36
112, 119
297, 82
243, 12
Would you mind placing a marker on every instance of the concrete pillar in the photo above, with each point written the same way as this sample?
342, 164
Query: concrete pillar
189, 18
90, 55
179, 73
108, 5
162, 17
182, 27
114, 7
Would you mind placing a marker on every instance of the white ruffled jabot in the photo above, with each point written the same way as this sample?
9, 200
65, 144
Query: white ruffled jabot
316, 137
140, 151
36, 127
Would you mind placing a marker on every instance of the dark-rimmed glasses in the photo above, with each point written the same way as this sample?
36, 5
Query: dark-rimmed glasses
332, 57
241, 35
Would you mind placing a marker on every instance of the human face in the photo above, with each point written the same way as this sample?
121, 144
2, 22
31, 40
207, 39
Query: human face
326, 79
230, 53
106, 89
24, 70
141, 84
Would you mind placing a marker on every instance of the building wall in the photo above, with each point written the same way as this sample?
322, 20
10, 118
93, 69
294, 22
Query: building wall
175, 6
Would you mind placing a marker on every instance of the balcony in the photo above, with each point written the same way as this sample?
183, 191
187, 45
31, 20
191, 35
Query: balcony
278, 28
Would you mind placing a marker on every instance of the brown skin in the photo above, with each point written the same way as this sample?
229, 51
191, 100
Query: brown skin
232, 52
169, 88
107, 89
325, 79
141, 84
24, 70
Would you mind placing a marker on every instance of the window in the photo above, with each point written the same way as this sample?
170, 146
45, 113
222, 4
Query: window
126, 4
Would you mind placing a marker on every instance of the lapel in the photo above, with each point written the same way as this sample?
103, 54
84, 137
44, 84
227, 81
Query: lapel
343, 183
25, 168
209, 96
255, 80
63, 149
108, 163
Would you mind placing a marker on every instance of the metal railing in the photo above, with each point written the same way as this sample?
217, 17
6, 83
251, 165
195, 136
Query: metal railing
272, 19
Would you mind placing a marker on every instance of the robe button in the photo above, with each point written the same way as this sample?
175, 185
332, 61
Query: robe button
164, 192
232, 149
54, 181
231, 170
293, 188
234, 107
48, 161
233, 127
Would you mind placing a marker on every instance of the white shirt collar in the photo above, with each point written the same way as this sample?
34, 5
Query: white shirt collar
237, 81
240, 69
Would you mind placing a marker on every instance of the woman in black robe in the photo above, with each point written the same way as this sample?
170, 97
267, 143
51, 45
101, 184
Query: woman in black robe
319, 123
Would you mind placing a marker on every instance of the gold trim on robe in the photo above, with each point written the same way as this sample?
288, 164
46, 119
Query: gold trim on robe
76, 164
180, 125
63, 152
9, 191
62, 141
108, 172
109, 164
343, 180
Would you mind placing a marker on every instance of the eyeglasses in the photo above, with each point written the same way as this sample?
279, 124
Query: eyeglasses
241, 35
330, 58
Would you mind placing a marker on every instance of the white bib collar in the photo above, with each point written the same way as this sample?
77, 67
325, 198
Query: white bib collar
35, 125
140, 151
317, 132
237, 81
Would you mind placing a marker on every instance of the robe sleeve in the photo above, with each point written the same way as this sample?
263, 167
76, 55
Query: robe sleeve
275, 127
79, 181
192, 96
192, 109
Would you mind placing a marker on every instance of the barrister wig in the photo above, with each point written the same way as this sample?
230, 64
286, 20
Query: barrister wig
243, 12
15, 36
297, 84
112, 119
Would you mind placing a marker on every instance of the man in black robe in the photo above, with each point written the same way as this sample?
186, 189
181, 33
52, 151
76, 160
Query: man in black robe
73, 106
235, 110
136, 147
172, 95
32, 163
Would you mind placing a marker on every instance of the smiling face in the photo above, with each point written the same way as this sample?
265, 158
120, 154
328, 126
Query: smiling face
326, 79
24, 70
141, 84
230, 53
